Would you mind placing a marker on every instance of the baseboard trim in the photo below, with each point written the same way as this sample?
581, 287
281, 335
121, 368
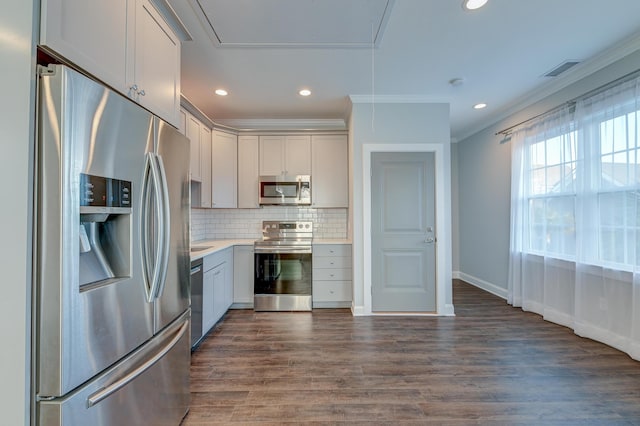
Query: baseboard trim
484, 285
357, 311
448, 310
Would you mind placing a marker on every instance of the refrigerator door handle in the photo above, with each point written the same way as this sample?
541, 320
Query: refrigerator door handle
100, 395
165, 226
151, 216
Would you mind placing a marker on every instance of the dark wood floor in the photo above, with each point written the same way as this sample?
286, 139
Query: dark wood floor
491, 364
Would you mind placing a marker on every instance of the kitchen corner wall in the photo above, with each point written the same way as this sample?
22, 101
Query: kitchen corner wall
223, 224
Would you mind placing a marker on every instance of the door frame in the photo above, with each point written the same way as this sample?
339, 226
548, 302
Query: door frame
442, 238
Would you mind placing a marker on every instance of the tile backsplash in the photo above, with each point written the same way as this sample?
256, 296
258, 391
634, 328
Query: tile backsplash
221, 224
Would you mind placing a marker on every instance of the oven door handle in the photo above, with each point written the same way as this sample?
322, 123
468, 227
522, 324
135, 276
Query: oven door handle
282, 250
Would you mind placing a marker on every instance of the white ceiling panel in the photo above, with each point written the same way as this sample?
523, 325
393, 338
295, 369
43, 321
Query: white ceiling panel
308, 23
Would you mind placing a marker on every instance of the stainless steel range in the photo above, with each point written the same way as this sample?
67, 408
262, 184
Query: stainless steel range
282, 272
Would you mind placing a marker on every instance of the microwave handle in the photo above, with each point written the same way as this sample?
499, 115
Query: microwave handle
299, 189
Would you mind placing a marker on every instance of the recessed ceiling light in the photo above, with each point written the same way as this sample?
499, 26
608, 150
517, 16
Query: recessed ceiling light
473, 4
305, 92
480, 106
221, 92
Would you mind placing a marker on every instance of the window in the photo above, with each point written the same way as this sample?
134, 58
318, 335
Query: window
619, 190
551, 167
583, 188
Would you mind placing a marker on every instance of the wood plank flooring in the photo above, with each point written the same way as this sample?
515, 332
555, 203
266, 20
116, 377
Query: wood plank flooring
491, 364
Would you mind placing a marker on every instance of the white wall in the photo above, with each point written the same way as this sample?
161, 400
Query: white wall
484, 184
16, 121
395, 124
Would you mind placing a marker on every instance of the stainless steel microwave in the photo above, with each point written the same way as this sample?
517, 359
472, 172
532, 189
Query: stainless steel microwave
283, 190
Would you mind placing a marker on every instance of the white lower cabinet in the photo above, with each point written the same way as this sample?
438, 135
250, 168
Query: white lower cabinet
242, 277
332, 276
217, 287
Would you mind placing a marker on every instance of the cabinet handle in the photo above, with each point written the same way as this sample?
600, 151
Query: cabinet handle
142, 92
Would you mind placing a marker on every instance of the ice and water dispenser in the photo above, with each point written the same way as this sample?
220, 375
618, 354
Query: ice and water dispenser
105, 229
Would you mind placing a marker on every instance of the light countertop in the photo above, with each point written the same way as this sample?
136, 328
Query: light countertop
213, 246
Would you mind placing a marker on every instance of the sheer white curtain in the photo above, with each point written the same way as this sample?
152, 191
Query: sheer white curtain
575, 217
541, 276
607, 295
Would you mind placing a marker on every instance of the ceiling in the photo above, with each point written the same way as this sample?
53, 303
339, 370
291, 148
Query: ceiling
264, 51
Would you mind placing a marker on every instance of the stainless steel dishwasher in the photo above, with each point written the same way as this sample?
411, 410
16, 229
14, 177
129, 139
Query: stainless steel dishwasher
196, 301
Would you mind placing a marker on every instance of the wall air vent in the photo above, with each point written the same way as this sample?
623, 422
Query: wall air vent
561, 68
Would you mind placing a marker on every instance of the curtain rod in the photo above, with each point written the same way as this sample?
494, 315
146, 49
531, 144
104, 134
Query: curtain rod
627, 77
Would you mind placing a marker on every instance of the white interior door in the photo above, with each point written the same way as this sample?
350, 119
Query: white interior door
403, 252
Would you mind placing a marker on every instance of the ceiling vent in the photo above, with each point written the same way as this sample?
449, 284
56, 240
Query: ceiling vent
561, 68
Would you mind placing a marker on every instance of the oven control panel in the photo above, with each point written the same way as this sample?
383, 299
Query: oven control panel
291, 226
286, 229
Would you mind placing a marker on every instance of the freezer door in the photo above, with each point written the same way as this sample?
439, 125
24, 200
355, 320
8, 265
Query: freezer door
173, 295
83, 326
149, 387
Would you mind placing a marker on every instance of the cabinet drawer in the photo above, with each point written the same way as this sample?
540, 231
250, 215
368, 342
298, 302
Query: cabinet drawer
331, 262
332, 249
332, 274
331, 291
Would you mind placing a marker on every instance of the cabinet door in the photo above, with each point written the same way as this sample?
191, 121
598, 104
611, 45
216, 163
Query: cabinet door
243, 275
183, 122
156, 64
248, 172
330, 171
208, 310
224, 170
219, 288
205, 166
193, 133
271, 155
90, 33
228, 284
297, 155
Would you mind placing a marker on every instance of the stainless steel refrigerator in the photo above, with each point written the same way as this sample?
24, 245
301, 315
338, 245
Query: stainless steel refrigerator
111, 315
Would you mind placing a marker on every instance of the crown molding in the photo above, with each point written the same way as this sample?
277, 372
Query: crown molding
283, 124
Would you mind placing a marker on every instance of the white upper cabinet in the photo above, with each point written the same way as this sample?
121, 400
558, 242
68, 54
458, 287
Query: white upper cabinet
182, 125
248, 172
289, 155
297, 155
271, 155
90, 33
329, 171
125, 43
224, 170
205, 166
154, 71
193, 133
